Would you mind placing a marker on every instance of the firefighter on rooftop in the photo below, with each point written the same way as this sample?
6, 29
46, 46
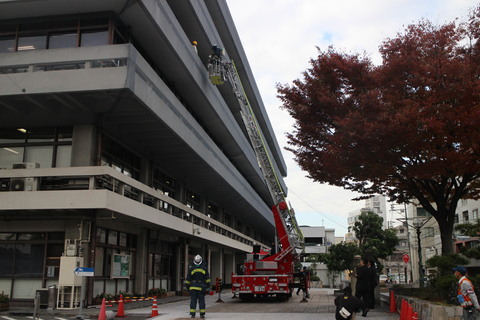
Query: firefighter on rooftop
198, 284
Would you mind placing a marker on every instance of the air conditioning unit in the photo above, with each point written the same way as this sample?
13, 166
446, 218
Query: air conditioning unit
22, 184
25, 165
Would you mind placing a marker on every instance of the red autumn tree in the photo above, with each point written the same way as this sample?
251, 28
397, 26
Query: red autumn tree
408, 128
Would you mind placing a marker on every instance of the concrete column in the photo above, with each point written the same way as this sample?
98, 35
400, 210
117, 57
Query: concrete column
230, 264
180, 274
84, 146
141, 259
215, 265
146, 172
185, 258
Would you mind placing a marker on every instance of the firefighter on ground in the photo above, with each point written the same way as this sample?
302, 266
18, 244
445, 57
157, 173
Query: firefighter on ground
304, 279
198, 284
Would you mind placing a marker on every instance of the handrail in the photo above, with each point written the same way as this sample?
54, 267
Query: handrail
104, 177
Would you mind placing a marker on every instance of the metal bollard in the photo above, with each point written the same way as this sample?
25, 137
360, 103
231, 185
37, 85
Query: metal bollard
36, 305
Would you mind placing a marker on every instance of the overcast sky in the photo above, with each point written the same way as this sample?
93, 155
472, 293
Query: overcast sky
280, 37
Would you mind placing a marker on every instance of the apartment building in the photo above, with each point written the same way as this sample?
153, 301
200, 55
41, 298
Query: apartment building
117, 154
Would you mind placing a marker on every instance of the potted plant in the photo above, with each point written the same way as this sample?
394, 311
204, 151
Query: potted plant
4, 299
157, 292
98, 299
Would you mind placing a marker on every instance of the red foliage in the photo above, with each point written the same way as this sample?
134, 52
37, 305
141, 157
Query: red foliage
408, 128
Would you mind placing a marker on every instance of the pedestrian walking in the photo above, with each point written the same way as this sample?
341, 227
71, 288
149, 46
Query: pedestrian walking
347, 305
362, 288
466, 294
373, 282
198, 284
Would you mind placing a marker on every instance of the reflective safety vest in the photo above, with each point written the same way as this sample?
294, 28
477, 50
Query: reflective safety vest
466, 297
198, 278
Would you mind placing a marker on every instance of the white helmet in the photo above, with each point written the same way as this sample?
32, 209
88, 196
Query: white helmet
197, 259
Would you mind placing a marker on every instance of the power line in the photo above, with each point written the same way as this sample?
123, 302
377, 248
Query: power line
311, 207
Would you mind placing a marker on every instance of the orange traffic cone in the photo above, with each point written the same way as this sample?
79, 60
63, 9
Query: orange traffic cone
121, 309
154, 308
393, 302
103, 311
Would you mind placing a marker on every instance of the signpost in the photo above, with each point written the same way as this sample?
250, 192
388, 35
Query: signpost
83, 272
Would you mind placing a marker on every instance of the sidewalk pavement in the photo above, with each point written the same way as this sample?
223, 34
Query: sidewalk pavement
319, 307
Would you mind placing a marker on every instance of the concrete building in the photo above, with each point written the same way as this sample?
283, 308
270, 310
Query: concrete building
317, 240
118, 154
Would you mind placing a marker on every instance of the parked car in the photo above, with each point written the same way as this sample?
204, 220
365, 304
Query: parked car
383, 278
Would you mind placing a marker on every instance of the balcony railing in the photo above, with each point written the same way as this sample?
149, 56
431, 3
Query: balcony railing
106, 178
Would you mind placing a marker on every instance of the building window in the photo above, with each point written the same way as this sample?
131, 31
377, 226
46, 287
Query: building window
456, 220
428, 231
192, 200
61, 32
475, 215
161, 262
32, 43
227, 220
120, 158
7, 44
465, 216
94, 38
62, 40
164, 183
238, 226
24, 254
421, 212
49, 146
110, 242
212, 211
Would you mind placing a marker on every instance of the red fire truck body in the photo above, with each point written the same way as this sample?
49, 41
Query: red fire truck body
268, 275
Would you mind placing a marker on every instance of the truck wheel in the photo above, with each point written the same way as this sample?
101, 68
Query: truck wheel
282, 297
246, 296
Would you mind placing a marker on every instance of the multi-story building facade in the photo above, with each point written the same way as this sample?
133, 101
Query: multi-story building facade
117, 153
317, 240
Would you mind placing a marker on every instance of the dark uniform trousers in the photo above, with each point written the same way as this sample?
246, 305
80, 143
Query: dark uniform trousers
197, 295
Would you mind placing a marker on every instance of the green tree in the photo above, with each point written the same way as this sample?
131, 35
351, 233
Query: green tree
373, 241
469, 229
340, 257
407, 128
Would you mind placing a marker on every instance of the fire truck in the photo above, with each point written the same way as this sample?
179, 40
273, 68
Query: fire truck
264, 274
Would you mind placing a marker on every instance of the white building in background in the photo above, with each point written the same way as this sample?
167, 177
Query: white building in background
317, 241
376, 204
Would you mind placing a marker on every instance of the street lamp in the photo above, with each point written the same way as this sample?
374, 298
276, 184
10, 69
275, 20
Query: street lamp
417, 224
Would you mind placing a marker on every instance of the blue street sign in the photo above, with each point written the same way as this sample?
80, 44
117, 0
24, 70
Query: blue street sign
84, 272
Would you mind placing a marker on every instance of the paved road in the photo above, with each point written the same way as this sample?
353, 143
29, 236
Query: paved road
319, 307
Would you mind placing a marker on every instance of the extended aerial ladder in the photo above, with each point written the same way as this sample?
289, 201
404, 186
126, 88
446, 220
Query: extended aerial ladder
276, 270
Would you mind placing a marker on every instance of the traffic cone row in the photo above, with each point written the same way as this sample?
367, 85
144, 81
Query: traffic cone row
407, 313
154, 308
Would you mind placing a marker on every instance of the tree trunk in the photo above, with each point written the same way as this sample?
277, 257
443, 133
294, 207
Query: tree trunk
446, 235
